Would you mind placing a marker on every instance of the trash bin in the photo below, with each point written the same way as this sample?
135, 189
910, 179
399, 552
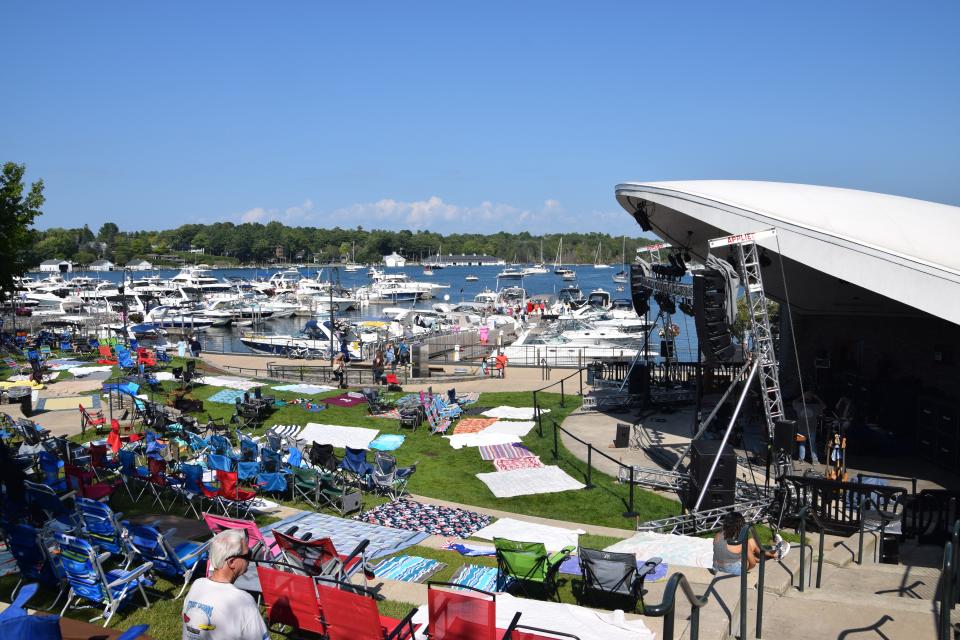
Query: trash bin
591, 372
22, 396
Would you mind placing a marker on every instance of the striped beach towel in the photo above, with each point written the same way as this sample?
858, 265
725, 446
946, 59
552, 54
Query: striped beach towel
286, 430
495, 451
407, 568
483, 578
510, 464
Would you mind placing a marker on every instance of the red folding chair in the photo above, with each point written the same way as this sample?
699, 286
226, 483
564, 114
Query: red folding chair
100, 461
319, 557
94, 419
461, 615
262, 547
106, 356
351, 616
291, 599
83, 482
145, 358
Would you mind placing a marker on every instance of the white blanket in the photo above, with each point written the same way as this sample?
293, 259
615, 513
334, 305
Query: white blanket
512, 413
524, 482
581, 622
79, 372
512, 427
685, 551
232, 382
481, 439
308, 389
553, 538
339, 437
163, 375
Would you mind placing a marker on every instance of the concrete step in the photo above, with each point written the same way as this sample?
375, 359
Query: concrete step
891, 581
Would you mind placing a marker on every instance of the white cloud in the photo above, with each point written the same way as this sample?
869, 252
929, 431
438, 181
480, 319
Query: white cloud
296, 215
551, 205
428, 214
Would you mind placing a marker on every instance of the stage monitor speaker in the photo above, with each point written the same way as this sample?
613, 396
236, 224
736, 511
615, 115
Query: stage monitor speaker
638, 382
712, 499
710, 316
702, 455
622, 439
784, 436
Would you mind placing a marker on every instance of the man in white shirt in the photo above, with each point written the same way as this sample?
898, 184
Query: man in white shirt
214, 609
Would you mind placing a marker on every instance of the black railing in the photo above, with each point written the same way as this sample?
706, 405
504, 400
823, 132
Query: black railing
743, 540
948, 584
802, 516
630, 512
668, 607
563, 396
839, 505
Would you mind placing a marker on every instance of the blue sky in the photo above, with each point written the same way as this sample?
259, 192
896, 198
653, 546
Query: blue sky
456, 117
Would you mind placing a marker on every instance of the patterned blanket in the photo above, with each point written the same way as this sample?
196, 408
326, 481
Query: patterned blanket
407, 568
429, 518
500, 451
510, 464
473, 425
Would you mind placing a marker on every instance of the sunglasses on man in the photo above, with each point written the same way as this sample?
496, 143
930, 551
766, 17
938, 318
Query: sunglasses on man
244, 556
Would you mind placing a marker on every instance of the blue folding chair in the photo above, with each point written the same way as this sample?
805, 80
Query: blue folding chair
89, 580
249, 450
270, 461
355, 463
33, 558
130, 473
217, 462
194, 489
169, 558
51, 466
247, 471
222, 446
199, 446
103, 528
42, 497
295, 459
274, 482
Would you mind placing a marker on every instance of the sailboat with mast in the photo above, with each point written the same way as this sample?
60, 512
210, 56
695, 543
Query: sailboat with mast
539, 267
596, 261
566, 274
622, 277
352, 265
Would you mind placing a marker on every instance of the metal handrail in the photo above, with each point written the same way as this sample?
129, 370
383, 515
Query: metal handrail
749, 531
536, 406
946, 592
667, 607
802, 515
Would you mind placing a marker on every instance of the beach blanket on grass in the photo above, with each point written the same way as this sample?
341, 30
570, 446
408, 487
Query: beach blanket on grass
473, 425
226, 396
471, 551
345, 400
459, 441
407, 568
309, 389
525, 482
339, 437
686, 551
571, 566
512, 413
512, 464
286, 430
471, 575
553, 538
346, 534
500, 451
232, 382
511, 427
392, 414
387, 442
469, 397
429, 518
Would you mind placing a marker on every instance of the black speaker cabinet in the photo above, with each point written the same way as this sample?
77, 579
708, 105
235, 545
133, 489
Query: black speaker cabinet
622, 439
712, 499
702, 455
784, 436
638, 384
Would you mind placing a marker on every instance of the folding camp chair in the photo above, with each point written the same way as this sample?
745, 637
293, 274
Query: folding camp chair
217, 462
352, 616
89, 580
194, 490
270, 461
411, 417
461, 614
160, 482
34, 560
248, 471
438, 423
261, 547
172, 559
222, 446
83, 483
272, 482
614, 575
451, 411
337, 494
101, 461
375, 401
249, 450
322, 456
231, 493
528, 562
89, 419
291, 600
387, 477
50, 465
106, 356
319, 557
355, 464
103, 528
130, 473
56, 507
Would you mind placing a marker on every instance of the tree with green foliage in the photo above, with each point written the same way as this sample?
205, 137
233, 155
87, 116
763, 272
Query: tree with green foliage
18, 209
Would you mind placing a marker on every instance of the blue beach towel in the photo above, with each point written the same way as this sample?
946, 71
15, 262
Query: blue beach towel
226, 396
407, 568
483, 578
387, 442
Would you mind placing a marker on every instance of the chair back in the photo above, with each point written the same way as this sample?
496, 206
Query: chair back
309, 555
461, 615
50, 465
386, 464
82, 568
607, 571
273, 482
216, 524
291, 599
295, 460
355, 461
218, 463
45, 498
128, 462
30, 554
270, 460
100, 525
229, 485
82, 481
98, 455
322, 455
104, 351
526, 560
247, 471
153, 547
192, 478
249, 450
220, 444
274, 441
349, 616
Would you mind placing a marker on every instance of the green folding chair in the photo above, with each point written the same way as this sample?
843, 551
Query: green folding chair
529, 563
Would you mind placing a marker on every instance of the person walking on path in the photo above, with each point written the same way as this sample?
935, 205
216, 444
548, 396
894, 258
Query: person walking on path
390, 358
501, 364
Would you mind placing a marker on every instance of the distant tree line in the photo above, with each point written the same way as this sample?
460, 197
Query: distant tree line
272, 242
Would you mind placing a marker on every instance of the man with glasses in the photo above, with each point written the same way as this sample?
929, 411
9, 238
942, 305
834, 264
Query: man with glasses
214, 608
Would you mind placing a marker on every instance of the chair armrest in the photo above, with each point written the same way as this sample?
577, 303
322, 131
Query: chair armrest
103, 557
561, 555
67, 495
197, 552
136, 573
358, 550
407, 623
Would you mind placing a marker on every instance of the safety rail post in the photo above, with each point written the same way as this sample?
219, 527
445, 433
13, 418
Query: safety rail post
556, 448
946, 580
631, 513
301, 373
860, 544
803, 546
745, 533
666, 609
589, 466
562, 397
580, 372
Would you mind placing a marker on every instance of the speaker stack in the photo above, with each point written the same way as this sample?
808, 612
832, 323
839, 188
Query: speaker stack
784, 436
639, 292
721, 492
711, 316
